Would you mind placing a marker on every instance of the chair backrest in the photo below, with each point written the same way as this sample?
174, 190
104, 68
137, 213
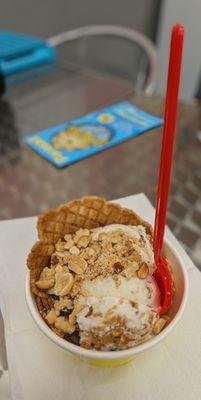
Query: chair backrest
141, 59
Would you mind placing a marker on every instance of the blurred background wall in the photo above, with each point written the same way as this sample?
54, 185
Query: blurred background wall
187, 12
47, 17
154, 18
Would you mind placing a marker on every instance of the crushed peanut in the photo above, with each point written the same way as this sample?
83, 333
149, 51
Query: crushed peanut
129, 272
64, 325
74, 250
143, 271
159, 325
47, 273
72, 317
63, 302
51, 317
64, 283
83, 241
77, 264
45, 283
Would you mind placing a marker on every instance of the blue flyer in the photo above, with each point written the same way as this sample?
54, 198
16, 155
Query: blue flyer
72, 141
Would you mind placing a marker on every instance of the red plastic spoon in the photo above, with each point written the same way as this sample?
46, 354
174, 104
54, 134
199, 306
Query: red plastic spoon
163, 274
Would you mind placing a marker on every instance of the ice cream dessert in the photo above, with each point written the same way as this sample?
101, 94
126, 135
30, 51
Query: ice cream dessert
94, 285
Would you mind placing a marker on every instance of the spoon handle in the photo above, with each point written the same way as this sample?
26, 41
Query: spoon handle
171, 103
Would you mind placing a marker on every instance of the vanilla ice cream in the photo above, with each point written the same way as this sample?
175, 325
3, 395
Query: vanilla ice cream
130, 308
125, 306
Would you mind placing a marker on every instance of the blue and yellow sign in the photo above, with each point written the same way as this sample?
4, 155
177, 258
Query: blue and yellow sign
70, 142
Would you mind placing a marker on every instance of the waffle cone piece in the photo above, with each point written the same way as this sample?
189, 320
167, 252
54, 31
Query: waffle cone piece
87, 212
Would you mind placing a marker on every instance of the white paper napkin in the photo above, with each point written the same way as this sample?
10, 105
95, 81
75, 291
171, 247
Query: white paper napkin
39, 370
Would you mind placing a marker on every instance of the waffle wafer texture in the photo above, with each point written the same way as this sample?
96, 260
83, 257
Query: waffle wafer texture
87, 212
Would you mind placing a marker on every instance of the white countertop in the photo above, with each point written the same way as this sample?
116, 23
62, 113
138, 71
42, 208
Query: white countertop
39, 370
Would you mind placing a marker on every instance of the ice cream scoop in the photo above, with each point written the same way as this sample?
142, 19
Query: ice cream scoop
118, 317
119, 311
